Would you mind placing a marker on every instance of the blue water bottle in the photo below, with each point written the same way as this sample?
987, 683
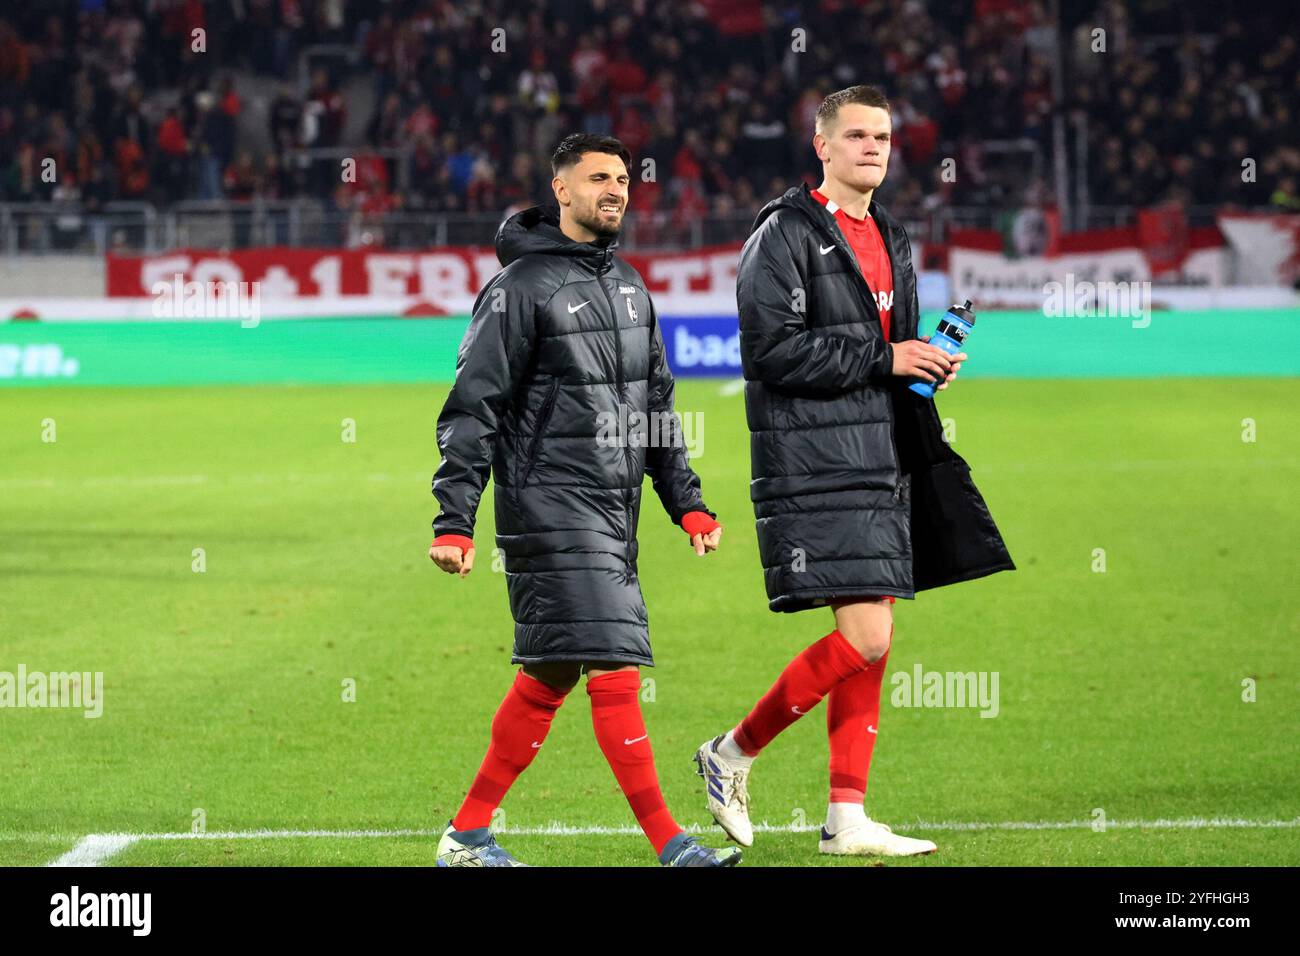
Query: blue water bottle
949, 336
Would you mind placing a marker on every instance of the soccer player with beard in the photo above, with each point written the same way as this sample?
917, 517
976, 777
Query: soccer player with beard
563, 344
858, 498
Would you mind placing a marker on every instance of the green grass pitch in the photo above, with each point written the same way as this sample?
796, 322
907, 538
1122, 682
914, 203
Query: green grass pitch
1121, 691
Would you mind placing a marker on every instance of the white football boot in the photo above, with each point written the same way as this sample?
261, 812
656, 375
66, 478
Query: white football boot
726, 784
870, 838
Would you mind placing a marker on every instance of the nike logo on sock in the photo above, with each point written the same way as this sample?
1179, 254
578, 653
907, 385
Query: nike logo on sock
871, 730
536, 745
797, 711
628, 743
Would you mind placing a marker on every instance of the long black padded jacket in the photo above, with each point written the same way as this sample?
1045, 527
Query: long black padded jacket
564, 394
855, 491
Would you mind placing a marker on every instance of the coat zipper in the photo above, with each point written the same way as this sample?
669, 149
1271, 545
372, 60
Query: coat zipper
618, 379
865, 291
543, 417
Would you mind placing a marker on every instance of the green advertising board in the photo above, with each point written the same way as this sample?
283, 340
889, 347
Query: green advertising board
385, 349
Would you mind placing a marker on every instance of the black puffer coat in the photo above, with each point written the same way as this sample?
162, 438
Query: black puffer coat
558, 339
854, 489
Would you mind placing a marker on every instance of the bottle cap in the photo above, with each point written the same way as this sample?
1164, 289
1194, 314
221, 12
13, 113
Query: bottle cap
963, 312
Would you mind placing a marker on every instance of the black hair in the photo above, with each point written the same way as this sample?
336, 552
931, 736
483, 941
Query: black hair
573, 146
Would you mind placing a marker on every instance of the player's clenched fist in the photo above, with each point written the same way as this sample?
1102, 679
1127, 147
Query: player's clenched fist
454, 557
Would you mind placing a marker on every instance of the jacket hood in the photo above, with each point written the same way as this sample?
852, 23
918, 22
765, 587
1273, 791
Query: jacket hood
791, 199
537, 230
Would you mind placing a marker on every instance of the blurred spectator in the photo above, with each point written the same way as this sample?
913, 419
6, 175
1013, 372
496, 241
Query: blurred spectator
242, 180
328, 110
285, 120
1285, 198
173, 157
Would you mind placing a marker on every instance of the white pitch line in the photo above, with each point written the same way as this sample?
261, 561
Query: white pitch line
286, 834
733, 387
93, 850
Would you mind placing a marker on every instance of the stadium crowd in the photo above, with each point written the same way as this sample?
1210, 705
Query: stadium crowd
720, 96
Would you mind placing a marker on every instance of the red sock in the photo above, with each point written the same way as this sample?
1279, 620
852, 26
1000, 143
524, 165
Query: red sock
518, 729
806, 680
621, 733
852, 716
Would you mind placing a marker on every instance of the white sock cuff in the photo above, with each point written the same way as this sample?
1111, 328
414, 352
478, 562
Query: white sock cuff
732, 751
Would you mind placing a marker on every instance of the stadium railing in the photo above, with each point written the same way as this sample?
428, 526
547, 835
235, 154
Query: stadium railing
141, 227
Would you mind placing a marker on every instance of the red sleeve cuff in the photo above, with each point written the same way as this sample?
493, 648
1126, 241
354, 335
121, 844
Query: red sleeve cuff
453, 541
698, 522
